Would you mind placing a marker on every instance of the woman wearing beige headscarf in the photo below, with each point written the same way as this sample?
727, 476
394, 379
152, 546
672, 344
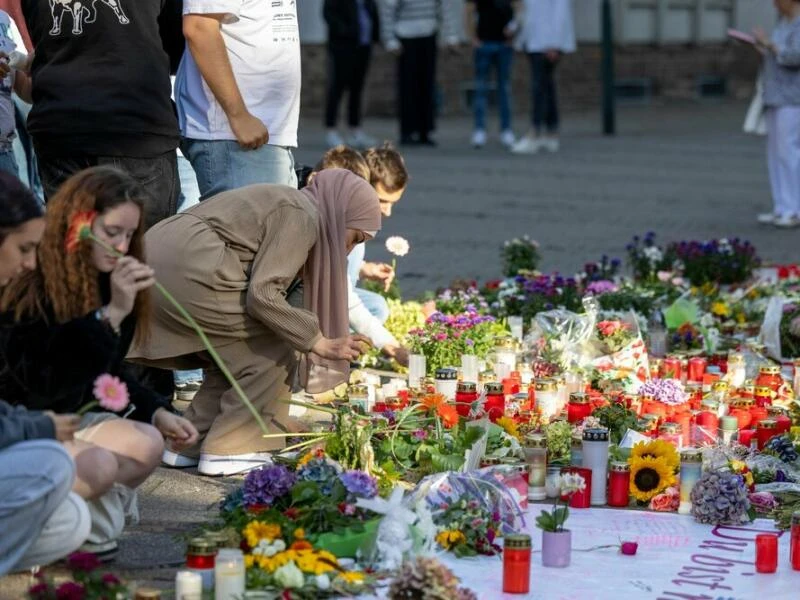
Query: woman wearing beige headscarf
242, 263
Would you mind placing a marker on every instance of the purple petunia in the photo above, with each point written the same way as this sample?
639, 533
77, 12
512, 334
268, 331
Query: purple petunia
267, 484
359, 484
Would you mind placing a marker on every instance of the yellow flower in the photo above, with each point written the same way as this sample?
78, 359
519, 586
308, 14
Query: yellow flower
257, 531
299, 533
509, 425
649, 477
450, 538
249, 560
271, 563
738, 466
657, 449
748, 479
356, 577
720, 309
741, 317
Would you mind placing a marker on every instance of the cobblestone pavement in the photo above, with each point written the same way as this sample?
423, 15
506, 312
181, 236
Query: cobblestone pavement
684, 171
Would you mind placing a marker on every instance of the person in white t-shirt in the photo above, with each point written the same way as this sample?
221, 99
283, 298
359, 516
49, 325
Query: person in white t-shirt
238, 92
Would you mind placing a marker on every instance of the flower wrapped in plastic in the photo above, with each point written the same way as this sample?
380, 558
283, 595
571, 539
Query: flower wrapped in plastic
622, 353
489, 487
563, 337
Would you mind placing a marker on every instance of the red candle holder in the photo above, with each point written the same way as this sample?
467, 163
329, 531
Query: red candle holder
746, 436
580, 499
697, 368
766, 553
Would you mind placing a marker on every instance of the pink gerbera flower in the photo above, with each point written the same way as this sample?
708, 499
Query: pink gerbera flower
111, 393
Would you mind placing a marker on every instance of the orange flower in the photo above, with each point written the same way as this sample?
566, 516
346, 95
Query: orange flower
448, 414
301, 545
80, 228
433, 401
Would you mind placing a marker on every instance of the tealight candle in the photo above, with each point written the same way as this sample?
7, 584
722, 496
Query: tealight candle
188, 585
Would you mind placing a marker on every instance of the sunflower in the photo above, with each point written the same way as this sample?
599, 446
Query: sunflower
649, 477
509, 425
657, 449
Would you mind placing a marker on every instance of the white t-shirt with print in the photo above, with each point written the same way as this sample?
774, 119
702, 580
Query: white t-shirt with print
9, 34
263, 43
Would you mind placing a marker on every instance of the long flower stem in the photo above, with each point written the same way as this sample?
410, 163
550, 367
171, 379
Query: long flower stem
201, 334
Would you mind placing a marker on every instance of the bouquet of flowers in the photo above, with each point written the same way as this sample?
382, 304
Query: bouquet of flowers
717, 261
527, 296
467, 527
614, 335
646, 259
444, 338
790, 331
520, 254
88, 581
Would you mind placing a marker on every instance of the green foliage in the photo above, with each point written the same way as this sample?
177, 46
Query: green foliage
520, 254
617, 419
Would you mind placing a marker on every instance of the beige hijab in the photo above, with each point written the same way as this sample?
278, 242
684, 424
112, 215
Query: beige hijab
344, 201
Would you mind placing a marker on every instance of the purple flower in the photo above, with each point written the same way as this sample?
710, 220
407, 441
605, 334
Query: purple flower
763, 502
359, 484
668, 391
110, 580
267, 484
420, 435
598, 288
83, 561
39, 591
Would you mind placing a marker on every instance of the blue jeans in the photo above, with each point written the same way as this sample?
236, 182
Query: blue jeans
501, 55
8, 164
223, 165
23, 148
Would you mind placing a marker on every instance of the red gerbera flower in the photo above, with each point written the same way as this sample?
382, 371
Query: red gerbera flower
80, 228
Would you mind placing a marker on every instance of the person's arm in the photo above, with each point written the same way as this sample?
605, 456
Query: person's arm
470, 22
23, 86
289, 234
204, 39
364, 322
18, 425
388, 19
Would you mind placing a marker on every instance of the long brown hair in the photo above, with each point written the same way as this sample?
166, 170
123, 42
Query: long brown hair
68, 282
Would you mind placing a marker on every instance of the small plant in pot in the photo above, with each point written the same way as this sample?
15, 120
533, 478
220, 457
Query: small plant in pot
557, 541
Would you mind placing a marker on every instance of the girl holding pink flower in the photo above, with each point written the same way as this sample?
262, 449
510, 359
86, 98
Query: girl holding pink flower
72, 319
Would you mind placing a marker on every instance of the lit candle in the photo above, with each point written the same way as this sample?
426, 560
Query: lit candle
188, 585
229, 574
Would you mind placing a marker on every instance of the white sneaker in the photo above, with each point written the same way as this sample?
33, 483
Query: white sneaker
478, 138
789, 222
551, 144
359, 139
332, 138
507, 138
526, 145
177, 460
215, 465
767, 218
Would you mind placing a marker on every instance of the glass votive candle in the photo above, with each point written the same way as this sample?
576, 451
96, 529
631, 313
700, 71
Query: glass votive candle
766, 553
552, 483
416, 370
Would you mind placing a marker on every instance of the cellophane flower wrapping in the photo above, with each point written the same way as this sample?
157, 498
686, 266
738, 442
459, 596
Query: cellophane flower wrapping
628, 367
489, 486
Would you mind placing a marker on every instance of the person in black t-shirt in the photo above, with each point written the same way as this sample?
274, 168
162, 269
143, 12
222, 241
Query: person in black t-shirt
101, 94
491, 37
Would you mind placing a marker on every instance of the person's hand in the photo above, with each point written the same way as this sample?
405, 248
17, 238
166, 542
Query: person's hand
65, 425
763, 42
378, 272
5, 69
397, 353
128, 278
179, 431
250, 132
346, 348
553, 55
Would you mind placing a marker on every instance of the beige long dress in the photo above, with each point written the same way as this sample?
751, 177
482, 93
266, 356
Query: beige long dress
230, 261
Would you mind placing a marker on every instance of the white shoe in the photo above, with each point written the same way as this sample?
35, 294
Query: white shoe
332, 138
551, 144
789, 222
526, 145
177, 460
359, 139
478, 138
507, 138
215, 465
767, 218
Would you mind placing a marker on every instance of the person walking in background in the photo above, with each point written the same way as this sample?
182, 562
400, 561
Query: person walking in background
352, 29
546, 34
781, 78
491, 38
409, 30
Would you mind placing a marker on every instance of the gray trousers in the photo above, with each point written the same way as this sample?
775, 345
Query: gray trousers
41, 519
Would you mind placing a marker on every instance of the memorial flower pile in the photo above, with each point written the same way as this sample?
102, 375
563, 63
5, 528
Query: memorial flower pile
467, 527
444, 338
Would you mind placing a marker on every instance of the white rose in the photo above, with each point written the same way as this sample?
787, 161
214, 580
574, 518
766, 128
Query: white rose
289, 576
323, 582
